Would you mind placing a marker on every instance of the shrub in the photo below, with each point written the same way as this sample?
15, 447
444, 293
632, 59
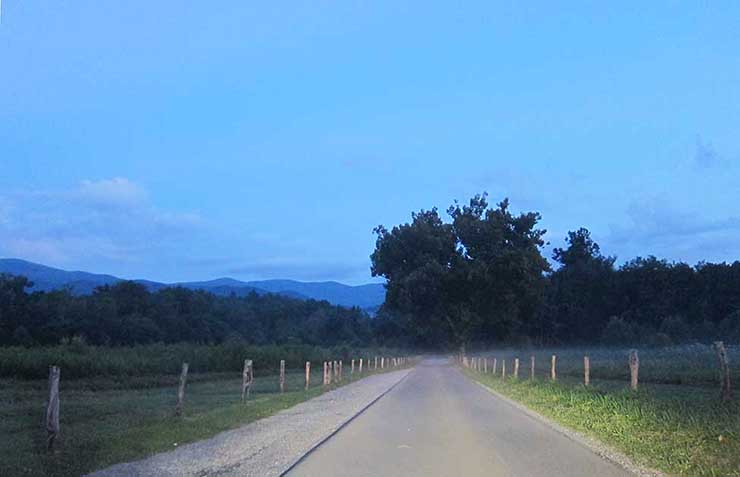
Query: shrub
677, 328
617, 332
658, 340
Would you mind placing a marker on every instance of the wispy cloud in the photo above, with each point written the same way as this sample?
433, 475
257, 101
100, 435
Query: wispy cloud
116, 192
706, 156
655, 227
109, 220
300, 268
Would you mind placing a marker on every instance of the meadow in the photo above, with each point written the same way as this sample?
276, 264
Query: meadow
675, 422
79, 360
124, 408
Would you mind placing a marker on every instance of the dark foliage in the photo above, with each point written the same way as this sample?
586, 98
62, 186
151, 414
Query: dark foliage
481, 279
126, 314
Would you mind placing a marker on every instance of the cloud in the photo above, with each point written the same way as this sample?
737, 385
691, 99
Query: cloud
301, 269
110, 220
116, 192
656, 228
705, 156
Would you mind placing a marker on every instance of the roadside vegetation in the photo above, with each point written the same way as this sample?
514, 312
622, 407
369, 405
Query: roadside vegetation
152, 363
107, 419
675, 421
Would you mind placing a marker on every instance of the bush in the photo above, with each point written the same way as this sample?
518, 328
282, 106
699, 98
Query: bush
22, 336
677, 328
705, 332
658, 340
617, 332
728, 330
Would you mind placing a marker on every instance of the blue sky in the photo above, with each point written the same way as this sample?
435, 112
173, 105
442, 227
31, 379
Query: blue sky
178, 140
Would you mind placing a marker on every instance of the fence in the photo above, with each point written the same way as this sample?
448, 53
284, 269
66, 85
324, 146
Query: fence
698, 365
333, 375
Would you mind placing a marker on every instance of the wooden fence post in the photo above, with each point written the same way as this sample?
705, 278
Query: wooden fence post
360, 370
181, 390
493, 371
516, 368
634, 369
724, 370
531, 367
485, 365
503, 368
352, 371
340, 369
282, 375
382, 362
586, 371
553, 372
52, 407
376, 363
247, 378
308, 374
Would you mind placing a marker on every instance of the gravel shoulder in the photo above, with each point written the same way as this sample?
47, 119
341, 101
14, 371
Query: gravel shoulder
267, 447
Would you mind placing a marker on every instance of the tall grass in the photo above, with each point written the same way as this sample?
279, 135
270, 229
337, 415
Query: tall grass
675, 422
694, 365
79, 360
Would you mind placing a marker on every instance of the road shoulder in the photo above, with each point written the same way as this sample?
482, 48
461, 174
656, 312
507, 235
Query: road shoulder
591, 443
270, 446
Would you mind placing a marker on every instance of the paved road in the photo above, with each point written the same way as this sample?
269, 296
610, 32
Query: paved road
438, 423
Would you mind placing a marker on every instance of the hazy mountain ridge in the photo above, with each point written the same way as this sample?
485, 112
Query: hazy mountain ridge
45, 278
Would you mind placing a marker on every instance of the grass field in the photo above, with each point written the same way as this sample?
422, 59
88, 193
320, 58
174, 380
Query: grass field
104, 422
675, 422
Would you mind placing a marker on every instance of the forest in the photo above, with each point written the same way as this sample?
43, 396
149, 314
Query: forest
127, 313
481, 279
477, 279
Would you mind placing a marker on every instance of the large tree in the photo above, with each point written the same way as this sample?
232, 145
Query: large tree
581, 293
476, 279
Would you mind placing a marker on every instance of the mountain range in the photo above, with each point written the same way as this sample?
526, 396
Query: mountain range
368, 297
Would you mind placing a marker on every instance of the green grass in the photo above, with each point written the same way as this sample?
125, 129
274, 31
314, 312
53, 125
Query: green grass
103, 422
82, 361
678, 429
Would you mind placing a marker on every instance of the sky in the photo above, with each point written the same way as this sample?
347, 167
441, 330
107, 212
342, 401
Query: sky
188, 140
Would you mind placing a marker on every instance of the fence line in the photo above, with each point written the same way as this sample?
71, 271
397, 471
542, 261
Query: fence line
480, 364
334, 367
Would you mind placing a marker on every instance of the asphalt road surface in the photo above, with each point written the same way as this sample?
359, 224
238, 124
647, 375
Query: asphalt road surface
438, 423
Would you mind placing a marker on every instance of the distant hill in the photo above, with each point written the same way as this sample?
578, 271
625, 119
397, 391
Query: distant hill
368, 297
363, 296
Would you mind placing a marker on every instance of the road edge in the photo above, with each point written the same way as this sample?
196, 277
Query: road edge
344, 424
591, 443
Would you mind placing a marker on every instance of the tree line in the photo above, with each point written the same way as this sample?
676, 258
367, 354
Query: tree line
477, 278
481, 278
127, 313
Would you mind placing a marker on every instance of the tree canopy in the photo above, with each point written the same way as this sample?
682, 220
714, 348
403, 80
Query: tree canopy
127, 313
480, 275
480, 278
